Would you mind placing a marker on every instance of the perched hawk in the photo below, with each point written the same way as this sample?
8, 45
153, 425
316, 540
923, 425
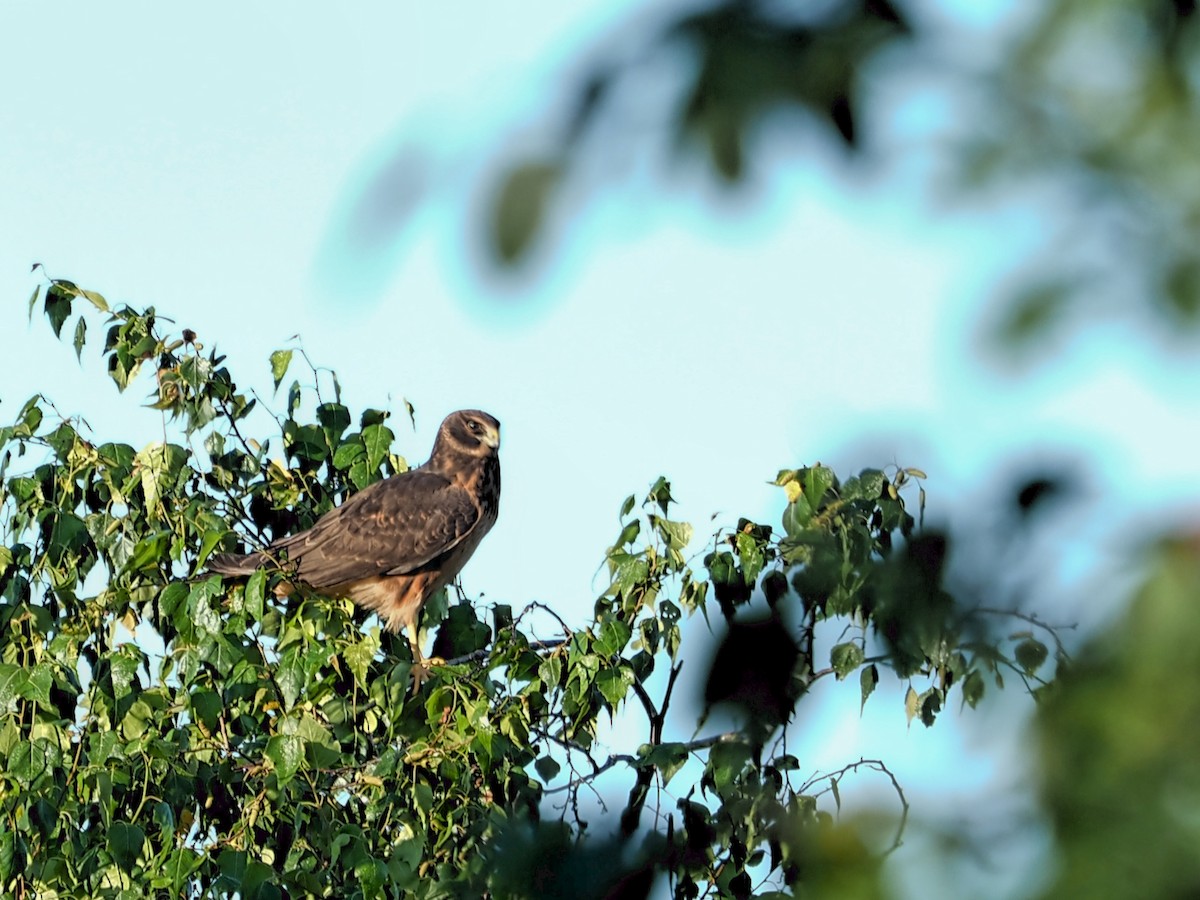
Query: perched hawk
391, 546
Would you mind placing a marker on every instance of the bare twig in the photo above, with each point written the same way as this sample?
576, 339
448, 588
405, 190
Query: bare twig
1052, 630
537, 604
876, 765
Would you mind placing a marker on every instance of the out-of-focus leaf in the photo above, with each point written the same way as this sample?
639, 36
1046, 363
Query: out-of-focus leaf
1030, 654
520, 207
868, 679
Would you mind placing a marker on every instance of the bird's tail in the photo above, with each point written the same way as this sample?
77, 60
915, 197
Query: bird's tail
237, 563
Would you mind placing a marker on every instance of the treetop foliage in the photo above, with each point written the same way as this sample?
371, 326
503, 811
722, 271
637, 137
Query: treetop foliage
163, 730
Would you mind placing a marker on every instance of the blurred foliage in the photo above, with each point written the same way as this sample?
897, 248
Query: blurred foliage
1087, 110
1099, 104
1118, 735
163, 731
746, 61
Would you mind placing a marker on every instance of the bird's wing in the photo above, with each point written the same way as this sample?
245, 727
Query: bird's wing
392, 527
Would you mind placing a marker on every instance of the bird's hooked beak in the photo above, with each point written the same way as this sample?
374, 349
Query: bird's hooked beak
491, 437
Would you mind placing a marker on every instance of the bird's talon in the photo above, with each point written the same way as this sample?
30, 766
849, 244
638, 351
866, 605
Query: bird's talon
422, 669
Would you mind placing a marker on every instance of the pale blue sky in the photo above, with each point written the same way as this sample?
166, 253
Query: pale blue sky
201, 160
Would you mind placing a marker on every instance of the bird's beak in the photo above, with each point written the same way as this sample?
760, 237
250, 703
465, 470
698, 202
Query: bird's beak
491, 437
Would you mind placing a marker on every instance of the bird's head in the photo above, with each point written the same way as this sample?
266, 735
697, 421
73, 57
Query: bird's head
469, 431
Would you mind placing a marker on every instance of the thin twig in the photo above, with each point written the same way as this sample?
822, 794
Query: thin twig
614, 759
480, 655
876, 765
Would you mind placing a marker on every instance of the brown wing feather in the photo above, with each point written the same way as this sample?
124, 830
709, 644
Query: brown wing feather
392, 527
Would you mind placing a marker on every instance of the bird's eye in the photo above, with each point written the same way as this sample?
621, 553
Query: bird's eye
474, 427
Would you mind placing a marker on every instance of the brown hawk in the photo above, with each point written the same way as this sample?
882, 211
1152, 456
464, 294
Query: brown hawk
396, 542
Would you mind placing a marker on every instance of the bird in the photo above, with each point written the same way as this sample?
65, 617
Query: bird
397, 542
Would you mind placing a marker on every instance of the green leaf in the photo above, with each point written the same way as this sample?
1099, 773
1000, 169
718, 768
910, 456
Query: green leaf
358, 657
676, 535
726, 761
80, 338
373, 417
631, 572
58, 305
305, 442
125, 843
547, 768
37, 685
796, 516
930, 704
348, 453
68, 535
173, 598
293, 398
845, 658
12, 682
660, 493
290, 676
205, 613
817, 481
259, 882
973, 687
870, 484
7, 855
614, 635
256, 593
33, 300
157, 464
30, 760
614, 684
207, 707
361, 474
750, 555
286, 751
280, 360
378, 440
334, 418
667, 758
521, 206
629, 533
868, 679
97, 300
550, 672
1033, 311
208, 543
149, 551
1030, 654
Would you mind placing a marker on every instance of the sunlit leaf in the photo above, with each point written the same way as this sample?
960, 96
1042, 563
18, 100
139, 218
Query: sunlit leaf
845, 658
280, 361
286, 751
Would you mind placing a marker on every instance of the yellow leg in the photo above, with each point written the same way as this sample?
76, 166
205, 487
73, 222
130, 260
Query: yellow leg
421, 665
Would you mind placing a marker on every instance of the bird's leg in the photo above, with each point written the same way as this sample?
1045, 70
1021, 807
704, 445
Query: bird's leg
421, 665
